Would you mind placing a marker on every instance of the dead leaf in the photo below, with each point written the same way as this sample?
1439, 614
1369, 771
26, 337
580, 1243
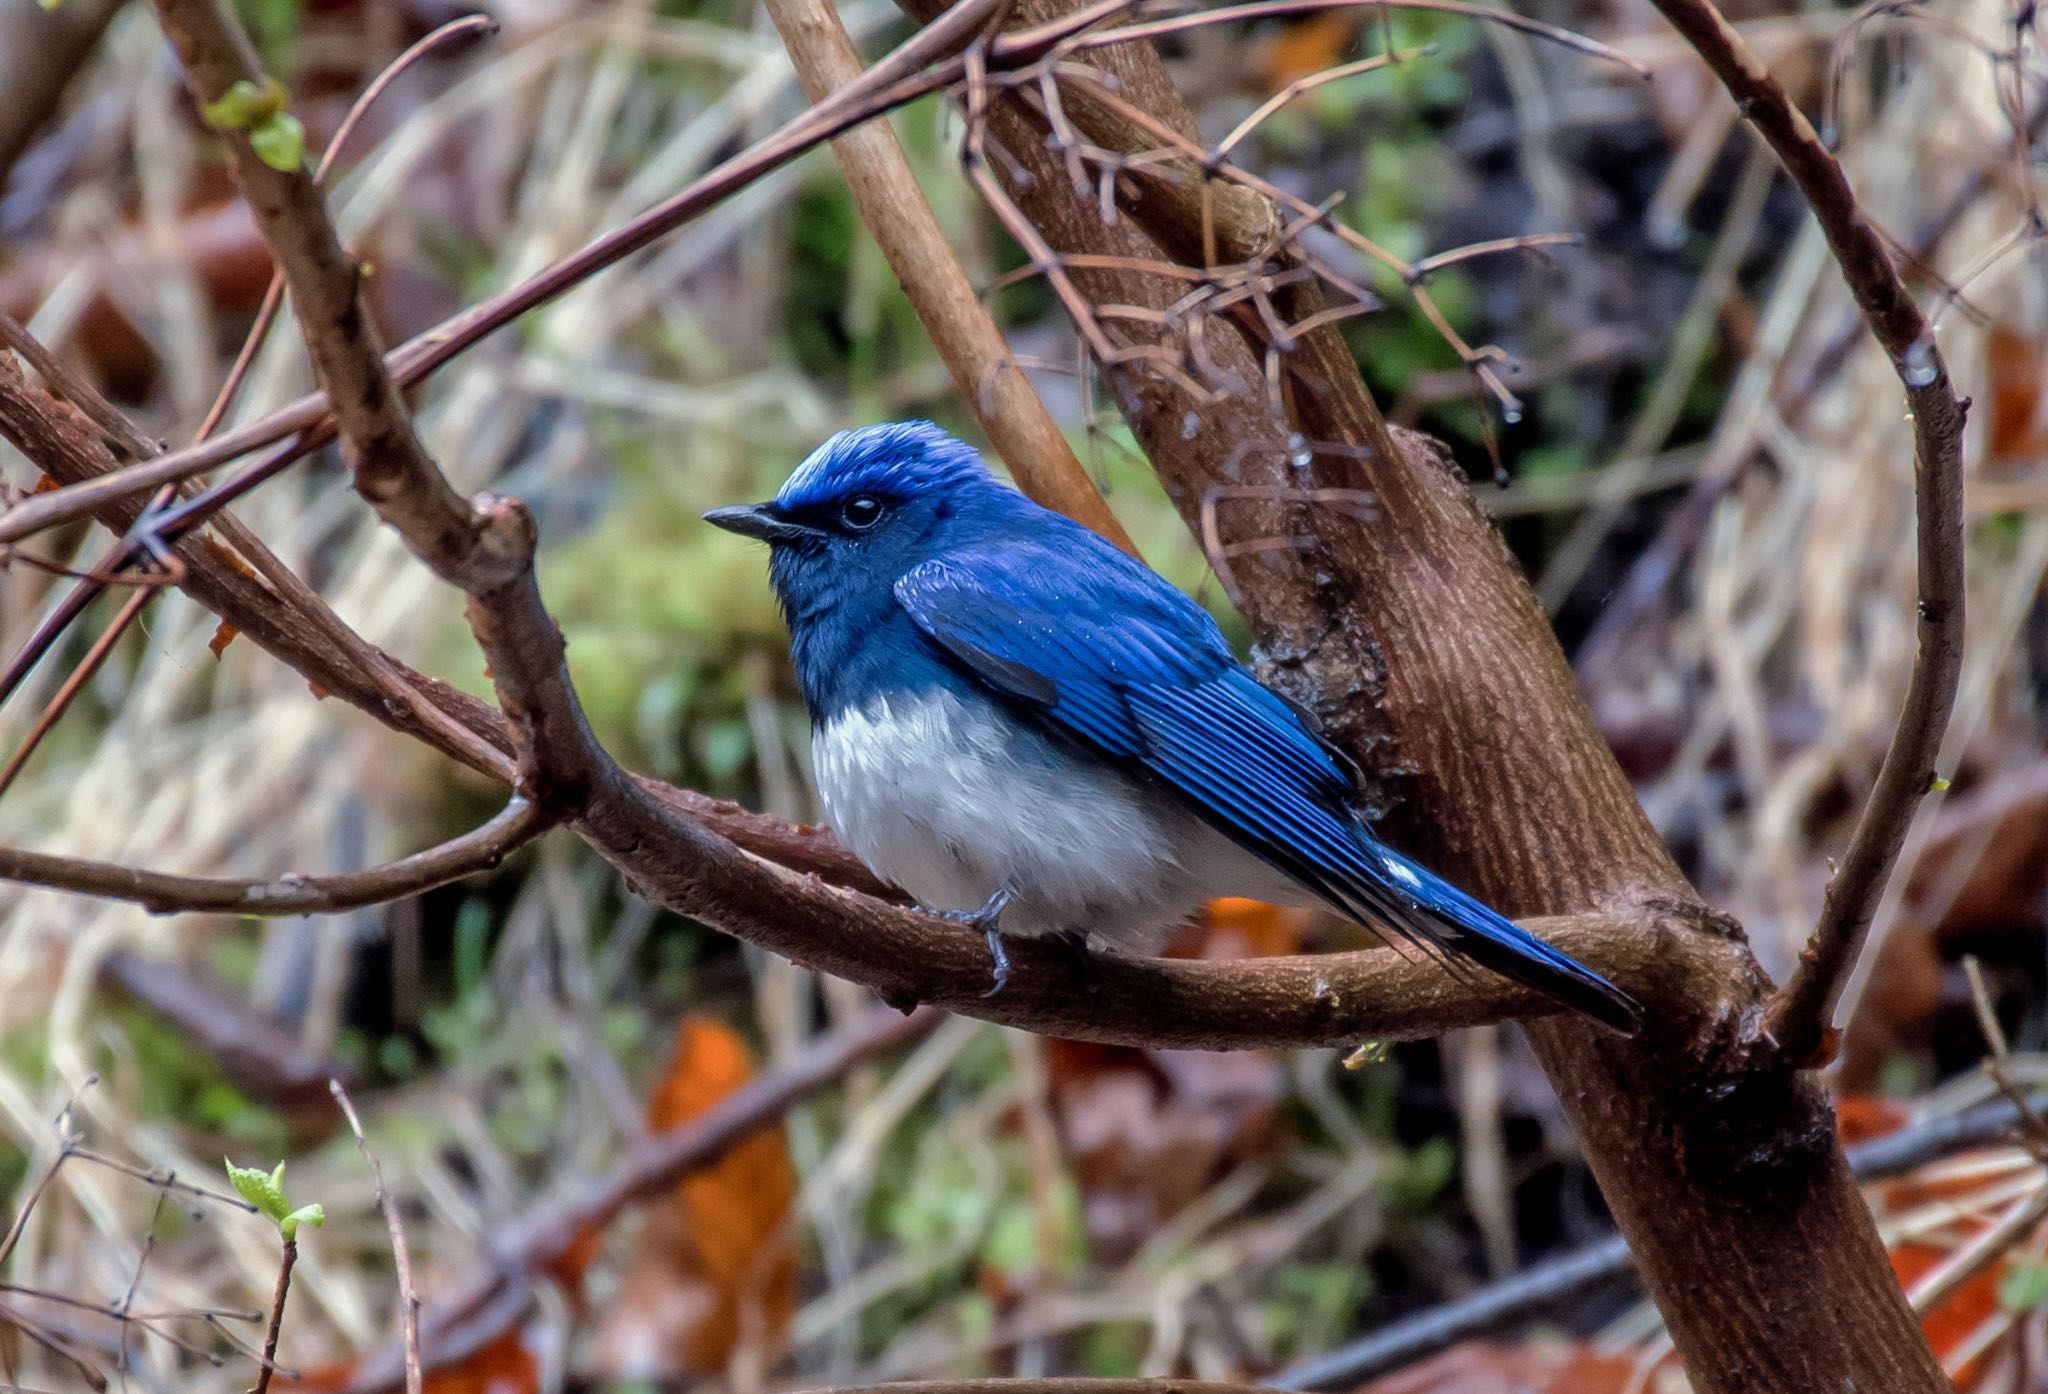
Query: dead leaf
223, 635
1862, 1117
1147, 1132
1956, 1320
1308, 46
2016, 375
712, 1274
504, 1365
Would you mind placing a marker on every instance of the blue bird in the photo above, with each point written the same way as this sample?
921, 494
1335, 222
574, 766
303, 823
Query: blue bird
1032, 733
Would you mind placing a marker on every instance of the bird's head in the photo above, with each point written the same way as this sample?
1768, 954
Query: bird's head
868, 505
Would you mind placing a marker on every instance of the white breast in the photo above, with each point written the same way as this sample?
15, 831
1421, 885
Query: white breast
949, 798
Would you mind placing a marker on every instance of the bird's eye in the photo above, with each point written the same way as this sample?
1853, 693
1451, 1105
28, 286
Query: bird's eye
861, 512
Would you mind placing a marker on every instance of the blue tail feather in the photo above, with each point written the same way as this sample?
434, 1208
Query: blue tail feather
1423, 906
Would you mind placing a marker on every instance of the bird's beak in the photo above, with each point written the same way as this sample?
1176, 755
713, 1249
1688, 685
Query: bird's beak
757, 520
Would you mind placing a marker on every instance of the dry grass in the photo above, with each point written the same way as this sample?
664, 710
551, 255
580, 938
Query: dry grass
1779, 655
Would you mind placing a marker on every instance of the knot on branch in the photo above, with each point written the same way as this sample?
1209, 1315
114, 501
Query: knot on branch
500, 547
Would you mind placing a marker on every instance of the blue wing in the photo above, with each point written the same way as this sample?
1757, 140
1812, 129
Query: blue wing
1103, 652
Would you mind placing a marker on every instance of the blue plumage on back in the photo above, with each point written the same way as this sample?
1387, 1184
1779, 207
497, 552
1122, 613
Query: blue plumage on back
911, 577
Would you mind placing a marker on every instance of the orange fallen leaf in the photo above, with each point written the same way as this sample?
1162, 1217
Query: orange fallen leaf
567, 1267
712, 1274
1308, 46
1861, 1117
2015, 362
1239, 928
503, 1365
1957, 1319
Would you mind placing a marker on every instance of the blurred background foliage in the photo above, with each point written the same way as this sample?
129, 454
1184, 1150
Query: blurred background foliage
981, 1202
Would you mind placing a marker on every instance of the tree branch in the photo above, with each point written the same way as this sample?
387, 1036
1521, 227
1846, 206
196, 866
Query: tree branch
906, 957
896, 213
73, 388
401, 1252
291, 894
296, 627
483, 546
470, 547
490, 1303
915, 69
683, 864
1417, 640
1800, 1015
1554, 1281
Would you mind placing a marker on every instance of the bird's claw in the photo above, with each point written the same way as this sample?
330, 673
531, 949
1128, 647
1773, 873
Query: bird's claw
994, 935
988, 918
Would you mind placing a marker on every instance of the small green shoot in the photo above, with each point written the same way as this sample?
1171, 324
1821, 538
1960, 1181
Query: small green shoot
261, 109
265, 1191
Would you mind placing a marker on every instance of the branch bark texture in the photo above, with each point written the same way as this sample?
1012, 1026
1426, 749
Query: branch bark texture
1413, 635
1419, 642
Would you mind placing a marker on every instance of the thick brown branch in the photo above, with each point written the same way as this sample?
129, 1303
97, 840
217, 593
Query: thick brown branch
291, 894
1800, 1015
1417, 640
73, 388
1266, 1003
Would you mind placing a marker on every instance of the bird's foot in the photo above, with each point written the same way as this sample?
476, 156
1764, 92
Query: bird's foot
994, 936
988, 919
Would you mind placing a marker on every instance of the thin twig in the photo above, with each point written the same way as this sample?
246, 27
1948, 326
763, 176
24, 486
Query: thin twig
1493, 1309
895, 211
1799, 1016
1302, 86
1273, 9
1998, 1060
408, 1295
73, 388
74, 683
489, 1304
160, 893
267, 1365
